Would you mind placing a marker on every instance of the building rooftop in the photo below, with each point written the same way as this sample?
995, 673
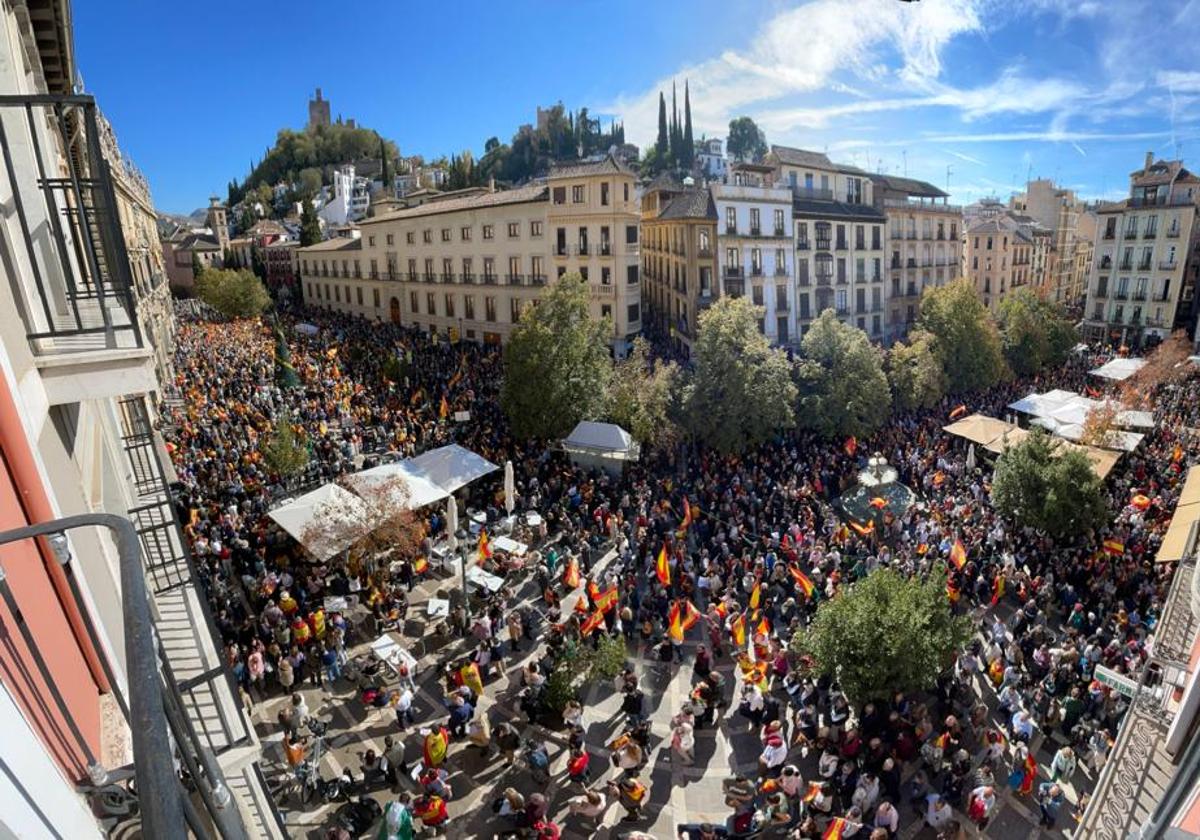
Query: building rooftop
840, 209
198, 242
909, 186
339, 243
1162, 172
608, 165
790, 156
472, 201
690, 204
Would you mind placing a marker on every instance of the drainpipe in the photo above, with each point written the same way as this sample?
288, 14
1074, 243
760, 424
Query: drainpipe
18, 452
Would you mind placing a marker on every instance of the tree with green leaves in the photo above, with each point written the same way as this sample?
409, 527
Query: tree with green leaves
284, 453
746, 141
965, 338
197, 266
843, 391
385, 169
741, 393
689, 145
1035, 332
310, 224
641, 395
235, 293
883, 634
556, 363
1041, 483
310, 182
915, 373
662, 144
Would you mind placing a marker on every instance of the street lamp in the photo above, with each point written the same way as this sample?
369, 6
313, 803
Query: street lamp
460, 537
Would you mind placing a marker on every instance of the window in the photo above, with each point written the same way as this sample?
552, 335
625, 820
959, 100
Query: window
427, 235
802, 234
514, 310
730, 220
604, 194
514, 269
634, 313
390, 239
606, 311
989, 243
535, 228
467, 270
337, 294
375, 294
489, 232
626, 191
854, 191
489, 269
860, 237
358, 295
860, 270
583, 272
779, 230
577, 194
428, 268
537, 268
631, 234
756, 294
841, 301
755, 261
824, 231
560, 195
605, 276
780, 261
755, 222
489, 308
410, 237
430, 303
413, 303
371, 241
704, 240
465, 233
412, 269
631, 275
469, 307
514, 230
449, 306
445, 234
875, 234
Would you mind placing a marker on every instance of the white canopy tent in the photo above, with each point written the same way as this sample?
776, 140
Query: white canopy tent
301, 516
1064, 413
1118, 369
416, 490
604, 445
449, 467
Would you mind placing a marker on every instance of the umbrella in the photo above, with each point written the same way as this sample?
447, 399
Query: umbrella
452, 521
1140, 502
510, 491
971, 457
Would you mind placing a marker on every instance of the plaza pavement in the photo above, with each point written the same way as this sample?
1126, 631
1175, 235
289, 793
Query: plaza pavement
677, 794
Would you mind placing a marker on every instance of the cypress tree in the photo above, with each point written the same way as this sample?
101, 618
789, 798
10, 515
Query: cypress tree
674, 140
689, 149
386, 175
660, 145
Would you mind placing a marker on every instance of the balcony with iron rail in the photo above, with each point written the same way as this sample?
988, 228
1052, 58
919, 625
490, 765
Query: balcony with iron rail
76, 295
824, 278
1167, 265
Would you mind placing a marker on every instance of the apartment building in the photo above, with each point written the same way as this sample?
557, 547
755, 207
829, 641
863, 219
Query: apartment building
998, 257
924, 249
710, 158
1143, 276
111, 662
679, 262
1058, 211
838, 237
468, 263
754, 246
187, 247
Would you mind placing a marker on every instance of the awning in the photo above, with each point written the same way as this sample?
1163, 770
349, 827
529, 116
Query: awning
449, 467
1010, 438
331, 504
411, 491
979, 428
1176, 542
1118, 369
606, 439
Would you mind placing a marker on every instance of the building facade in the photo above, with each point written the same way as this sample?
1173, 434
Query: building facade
923, 245
998, 258
1058, 211
1143, 275
86, 678
318, 111
468, 263
186, 248
679, 262
710, 158
838, 240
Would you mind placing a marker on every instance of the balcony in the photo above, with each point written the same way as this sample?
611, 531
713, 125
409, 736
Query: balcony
1144, 265
1130, 233
735, 287
561, 250
824, 278
704, 252
731, 230
1108, 234
755, 230
605, 249
1122, 294
447, 277
812, 194
1106, 262
1139, 294
582, 249
468, 277
781, 271
1173, 233
842, 310
841, 245
1167, 265
780, 232
1160, 200
1126, 265
1102, 292
756, 271
537, 279
489, 279
803, 280
72, 277
802, 245
515, 279
1162, 297
895, 262
1150, 233
911, 262
429, 276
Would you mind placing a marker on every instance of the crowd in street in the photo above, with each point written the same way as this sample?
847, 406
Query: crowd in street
716, 559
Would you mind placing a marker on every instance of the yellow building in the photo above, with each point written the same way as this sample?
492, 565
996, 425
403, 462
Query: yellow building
679, 261
467, 263
998, 257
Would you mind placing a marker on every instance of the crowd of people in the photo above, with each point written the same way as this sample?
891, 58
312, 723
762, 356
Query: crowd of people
729, 530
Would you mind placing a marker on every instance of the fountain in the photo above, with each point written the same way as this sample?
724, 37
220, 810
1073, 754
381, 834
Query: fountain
877, 494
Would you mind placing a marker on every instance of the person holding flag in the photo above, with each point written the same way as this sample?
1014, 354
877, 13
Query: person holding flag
662, 567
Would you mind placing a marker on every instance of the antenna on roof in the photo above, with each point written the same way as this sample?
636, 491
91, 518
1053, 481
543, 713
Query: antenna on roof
904, 153
949, 170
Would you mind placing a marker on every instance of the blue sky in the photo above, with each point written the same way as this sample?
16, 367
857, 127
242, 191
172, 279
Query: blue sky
1075, 90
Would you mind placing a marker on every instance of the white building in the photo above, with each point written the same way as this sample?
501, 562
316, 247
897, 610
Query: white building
754, 246
347, 199
710, 157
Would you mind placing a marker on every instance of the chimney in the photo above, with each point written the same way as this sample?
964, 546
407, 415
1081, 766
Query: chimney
1149, 162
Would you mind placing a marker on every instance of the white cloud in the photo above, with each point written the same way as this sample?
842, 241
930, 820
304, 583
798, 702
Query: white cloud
1048, 136
1179, 81
800, 50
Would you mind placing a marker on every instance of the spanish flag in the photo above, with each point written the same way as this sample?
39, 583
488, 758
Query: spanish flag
755, 595
607, 600
675, 623
1114, 547
662, 567
570, 576
454, 380
485, 548
417, 396
592, 623
469, 674
763, 628
814, 790
851, 446
420, 566
803, 582
690, 615
687, 515
444, 408
922, 549
738, 627
958, 411
997, 589
436, 744
593, 590
958, 555
841, 534
939, 478
836, 829
1177, 453
863, 530
721, 609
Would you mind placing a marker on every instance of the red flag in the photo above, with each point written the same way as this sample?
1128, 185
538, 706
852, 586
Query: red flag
863, 530
879, 503
959, 411
690, 615
851, 446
